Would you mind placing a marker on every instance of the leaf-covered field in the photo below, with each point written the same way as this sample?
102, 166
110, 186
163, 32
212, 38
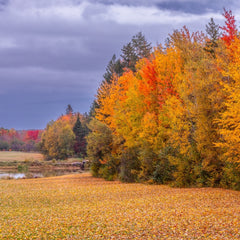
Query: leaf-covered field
82, 207
19, 156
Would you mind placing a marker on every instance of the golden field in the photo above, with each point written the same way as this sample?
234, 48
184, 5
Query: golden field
13, 156
19, 157
82, 207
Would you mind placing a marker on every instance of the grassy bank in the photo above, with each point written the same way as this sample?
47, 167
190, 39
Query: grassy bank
82, 207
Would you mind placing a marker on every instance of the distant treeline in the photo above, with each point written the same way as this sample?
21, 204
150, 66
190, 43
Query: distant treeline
19, 140
61, 139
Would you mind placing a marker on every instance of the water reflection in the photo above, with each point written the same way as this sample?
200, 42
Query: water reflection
36, 174
12, 175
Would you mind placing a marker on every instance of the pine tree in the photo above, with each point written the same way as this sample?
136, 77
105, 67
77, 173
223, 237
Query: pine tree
129, 56
93, 108
69, 110
212, 30
114, 67
141, 46
136, 49
80, 142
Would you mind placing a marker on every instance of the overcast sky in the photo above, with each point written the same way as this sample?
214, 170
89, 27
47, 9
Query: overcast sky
54, 52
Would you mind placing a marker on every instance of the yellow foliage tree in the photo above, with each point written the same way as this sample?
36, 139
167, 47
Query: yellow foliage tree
57, 140
229, 122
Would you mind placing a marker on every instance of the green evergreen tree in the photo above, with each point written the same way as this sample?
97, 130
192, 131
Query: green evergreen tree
129, 56
80, 142
69, 110
93, 108
136, 49
212, 30
114, 67
142, 47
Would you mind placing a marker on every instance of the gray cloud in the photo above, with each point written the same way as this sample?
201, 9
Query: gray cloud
40, 95
195, 7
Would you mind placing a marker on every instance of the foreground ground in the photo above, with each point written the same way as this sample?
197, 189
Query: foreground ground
81, 207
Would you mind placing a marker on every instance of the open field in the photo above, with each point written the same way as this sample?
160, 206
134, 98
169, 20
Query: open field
81, 207
19, 156
13, 156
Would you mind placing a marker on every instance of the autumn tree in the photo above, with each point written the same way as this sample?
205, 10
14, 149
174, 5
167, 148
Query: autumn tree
201, 98
228, 121
230, 28
32, 135
57, 140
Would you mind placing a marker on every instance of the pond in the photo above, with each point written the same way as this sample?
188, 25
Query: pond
39, 173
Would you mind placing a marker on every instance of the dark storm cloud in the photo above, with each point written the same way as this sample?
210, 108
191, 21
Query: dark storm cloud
194, 7
57, 43
40, 95
3, 3
54, 53
186, 6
